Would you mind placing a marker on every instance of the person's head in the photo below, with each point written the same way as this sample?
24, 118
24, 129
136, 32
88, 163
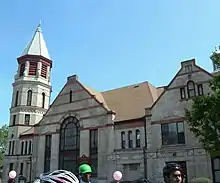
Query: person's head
85, 170
58, 176
172, 173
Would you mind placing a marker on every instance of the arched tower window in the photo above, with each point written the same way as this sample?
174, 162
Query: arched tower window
123, 140
191, 89
16, 98
130, 139
69, 145
138, 138
43, 100
70, 96
29, 98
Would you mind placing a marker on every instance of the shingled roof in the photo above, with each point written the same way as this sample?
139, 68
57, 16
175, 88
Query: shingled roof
130, 102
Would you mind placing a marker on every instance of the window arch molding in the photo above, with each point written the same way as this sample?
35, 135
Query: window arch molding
68, 114
191, 90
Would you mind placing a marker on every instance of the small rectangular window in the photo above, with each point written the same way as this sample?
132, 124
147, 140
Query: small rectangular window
21, 168
200, 89
188, 68
11, 166
13, 120
12, 147
27, 119
26, 147
30, 147
9, 149
16, 98
22, 147
182, 93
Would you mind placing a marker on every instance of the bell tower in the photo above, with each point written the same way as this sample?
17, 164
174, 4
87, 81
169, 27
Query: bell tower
30, 100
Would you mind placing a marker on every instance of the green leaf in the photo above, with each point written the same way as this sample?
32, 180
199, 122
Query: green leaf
203, 117
3, 141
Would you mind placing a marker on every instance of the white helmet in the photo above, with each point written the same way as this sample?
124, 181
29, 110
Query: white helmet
59, 176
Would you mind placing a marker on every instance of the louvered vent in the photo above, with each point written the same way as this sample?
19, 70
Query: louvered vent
22, 67
44, 71
33, 68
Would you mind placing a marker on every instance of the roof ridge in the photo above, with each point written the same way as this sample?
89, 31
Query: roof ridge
124, 87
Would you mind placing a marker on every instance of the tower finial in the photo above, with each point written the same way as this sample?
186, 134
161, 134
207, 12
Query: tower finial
39, 25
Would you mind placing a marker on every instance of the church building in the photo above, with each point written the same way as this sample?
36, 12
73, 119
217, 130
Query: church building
134, 129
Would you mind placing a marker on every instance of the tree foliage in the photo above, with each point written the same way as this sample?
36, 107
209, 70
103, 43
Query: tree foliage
3, 141
204, 116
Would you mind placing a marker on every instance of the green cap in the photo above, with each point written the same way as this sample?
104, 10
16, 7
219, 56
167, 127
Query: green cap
85, 168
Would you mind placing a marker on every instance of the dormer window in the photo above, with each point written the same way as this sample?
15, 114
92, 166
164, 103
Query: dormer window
188, 68
191, 89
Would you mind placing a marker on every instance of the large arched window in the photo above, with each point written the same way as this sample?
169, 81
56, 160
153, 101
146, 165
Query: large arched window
69, 145
29, 98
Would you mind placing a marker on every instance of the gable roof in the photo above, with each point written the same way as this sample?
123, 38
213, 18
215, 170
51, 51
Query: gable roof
127, 102
177, 74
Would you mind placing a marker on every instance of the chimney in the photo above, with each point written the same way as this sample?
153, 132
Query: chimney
72, 78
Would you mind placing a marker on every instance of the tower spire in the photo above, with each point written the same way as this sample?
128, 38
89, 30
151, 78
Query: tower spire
37, 45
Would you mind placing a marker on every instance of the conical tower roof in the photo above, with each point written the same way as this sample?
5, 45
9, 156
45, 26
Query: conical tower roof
37, 45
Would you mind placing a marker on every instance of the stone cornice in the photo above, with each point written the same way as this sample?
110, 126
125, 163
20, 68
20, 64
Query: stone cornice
32, 82
29, 109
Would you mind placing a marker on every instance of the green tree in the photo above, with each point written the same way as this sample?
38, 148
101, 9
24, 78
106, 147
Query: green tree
3, 141
203, 116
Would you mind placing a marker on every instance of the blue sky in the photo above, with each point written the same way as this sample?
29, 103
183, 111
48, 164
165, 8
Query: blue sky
108, 43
